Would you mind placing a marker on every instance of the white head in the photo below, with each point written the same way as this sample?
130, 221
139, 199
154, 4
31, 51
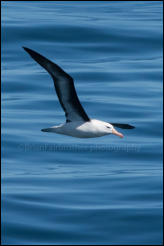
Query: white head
111, 130
105, 128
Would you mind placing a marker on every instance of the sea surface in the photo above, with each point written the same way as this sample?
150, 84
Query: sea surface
60, 190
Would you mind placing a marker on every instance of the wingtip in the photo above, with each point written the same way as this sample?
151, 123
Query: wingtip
27, 49
123, 126
131, 127
36, 56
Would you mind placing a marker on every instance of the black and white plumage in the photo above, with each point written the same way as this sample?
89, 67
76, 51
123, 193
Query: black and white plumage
78, 124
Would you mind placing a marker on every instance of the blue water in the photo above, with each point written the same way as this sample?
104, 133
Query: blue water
59, 190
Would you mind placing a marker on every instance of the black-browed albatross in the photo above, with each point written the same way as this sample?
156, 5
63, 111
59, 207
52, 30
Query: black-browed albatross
78, 124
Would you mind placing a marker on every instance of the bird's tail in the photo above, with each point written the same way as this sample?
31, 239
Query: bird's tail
45, 130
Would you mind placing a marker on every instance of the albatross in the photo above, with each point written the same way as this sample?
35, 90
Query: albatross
77, 124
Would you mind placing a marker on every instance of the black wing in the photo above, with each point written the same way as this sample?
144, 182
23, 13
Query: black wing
123, 126
64, 86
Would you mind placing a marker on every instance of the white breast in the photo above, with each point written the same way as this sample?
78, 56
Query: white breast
90, 129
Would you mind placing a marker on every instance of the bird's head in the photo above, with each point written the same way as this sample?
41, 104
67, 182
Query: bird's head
111, 130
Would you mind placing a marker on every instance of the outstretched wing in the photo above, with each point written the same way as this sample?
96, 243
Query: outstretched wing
123, 126
64, 86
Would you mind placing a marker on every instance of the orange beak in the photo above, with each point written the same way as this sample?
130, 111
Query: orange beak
117, 133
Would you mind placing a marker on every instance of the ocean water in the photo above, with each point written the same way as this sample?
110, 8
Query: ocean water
60, 190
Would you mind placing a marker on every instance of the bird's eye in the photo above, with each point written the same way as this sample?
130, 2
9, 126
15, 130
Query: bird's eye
108, 126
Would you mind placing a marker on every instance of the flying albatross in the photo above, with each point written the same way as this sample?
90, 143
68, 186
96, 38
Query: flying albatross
78, 124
